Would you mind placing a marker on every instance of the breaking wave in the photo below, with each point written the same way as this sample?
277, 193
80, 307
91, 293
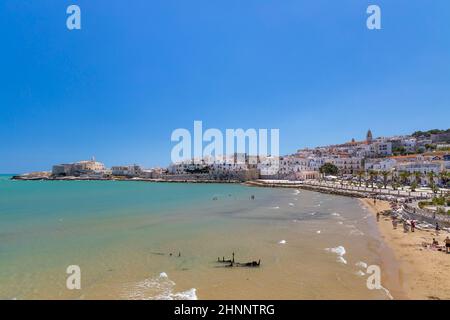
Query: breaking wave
159, 288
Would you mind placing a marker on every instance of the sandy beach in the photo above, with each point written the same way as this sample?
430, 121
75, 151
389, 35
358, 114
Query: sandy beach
424, 273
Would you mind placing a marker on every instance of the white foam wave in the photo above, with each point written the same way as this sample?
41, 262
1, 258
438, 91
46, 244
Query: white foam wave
291, 204
356, 232
340, 251
335, 214
361, 264
318, 231
276, 208
159, 288
342, 260
282, 242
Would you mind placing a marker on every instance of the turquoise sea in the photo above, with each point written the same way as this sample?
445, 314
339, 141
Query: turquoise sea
140, 240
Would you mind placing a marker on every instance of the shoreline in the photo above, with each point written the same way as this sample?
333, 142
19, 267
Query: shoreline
422, 271
409, 270
18, 178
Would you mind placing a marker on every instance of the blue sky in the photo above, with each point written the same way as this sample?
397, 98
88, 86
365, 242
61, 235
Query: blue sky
140, 69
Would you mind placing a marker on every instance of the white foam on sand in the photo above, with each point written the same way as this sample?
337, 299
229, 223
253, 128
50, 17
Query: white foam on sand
335, 214
159, 288
318, 231
356, 232
340, 251
342, 260
340, 222
361, 264
282, 242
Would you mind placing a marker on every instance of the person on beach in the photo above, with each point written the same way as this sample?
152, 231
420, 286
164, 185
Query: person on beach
435, 243
405, 226
447, 245
394, 223
437, 228
378, 216
413, 225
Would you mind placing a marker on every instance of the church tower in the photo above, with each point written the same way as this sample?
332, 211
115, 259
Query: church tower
369, 137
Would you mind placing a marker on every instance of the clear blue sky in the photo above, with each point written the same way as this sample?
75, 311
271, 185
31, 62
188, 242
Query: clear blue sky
139, 69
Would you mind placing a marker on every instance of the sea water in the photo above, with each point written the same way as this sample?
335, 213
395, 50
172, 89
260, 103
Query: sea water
141, 240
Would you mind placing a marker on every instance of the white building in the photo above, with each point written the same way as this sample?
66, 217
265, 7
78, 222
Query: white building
409, 144
347, 165
423, 167
385, 164
269, 167
85, 167
126, 171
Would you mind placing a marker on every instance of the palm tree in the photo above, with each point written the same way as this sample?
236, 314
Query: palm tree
404, 177
373, 175
385, 175
431, 175
444, 176
360, 174
417, 176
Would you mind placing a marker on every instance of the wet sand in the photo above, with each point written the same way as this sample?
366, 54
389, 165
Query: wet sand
424, 273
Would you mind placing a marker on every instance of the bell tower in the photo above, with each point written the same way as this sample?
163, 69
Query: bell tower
369, 137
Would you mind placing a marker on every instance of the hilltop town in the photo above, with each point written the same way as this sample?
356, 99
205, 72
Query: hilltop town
423, 155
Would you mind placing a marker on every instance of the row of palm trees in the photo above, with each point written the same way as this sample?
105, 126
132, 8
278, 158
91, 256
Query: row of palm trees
401, 178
